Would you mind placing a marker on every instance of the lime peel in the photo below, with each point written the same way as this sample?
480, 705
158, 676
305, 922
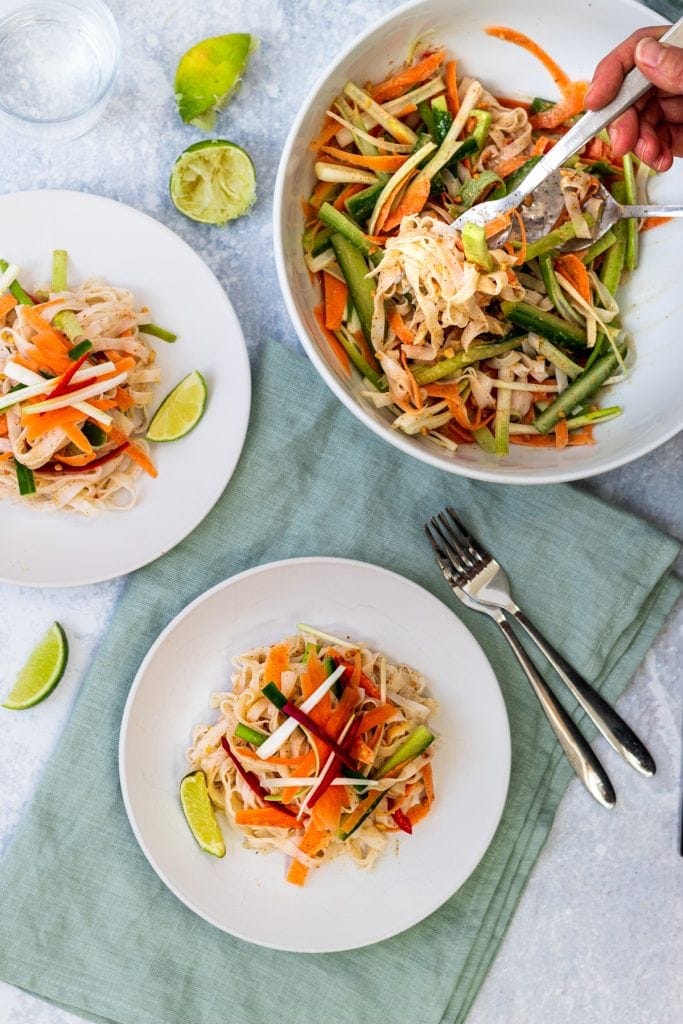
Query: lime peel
200, 814
41, 673
213, 181
208, 75
180, 411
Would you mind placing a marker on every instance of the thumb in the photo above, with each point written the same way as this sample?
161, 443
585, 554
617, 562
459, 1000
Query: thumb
661, 64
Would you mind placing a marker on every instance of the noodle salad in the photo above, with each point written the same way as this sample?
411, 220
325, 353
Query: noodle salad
464, 338
321, 749
76, 381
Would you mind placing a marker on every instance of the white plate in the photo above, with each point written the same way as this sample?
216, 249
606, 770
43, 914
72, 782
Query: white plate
129, 249
577, 33
340, 907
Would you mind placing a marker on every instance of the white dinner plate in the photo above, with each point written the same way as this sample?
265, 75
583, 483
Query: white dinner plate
128, 249
340, 907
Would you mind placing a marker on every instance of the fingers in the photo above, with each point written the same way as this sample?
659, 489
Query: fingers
624, 132
661, 64
676, 131
610, 72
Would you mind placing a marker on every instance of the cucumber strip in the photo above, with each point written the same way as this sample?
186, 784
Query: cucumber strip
631, 257
485, 439
474, 244
79, 350
94, 434
554, 328
343, 225
360, 362
579, 390
321, 242
355, 270
25, 479
615, 259
558, 358
501, 424
599, 348
487, 185
255, 736
518, 176
22, 297
554, 239
68, 323
361, 205
467, 147
449, 145
599, 246
354, 118
59, 259
482, 127
474, 354
425, 112
597, 416
554, 290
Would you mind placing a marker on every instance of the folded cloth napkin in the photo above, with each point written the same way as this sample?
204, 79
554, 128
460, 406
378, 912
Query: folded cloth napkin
85, 921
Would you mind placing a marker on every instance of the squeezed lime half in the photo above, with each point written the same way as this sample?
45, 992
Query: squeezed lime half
208, 74
213, 182
200, 815
180, 411
41, 673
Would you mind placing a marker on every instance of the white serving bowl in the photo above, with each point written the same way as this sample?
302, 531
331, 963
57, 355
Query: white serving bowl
577, 33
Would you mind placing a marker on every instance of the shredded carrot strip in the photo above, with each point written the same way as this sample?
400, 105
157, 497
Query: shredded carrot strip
415, 395
395, 86
77, 437
573, 270
49, 341
4, 429
346, 193
374, 163
540, 145
7, 302
35, 320
510, 166
413, 201
269, 816
124, 399
312, 842
496, 225
409, 108
319, 195
37, 424
334, 343
428, 779
6, 455
512, 104
654, 222
336, 294
452, 97
366, 351
398, 326
137, 455
511, 35
375, 716
329, 130
561, 433
419, 812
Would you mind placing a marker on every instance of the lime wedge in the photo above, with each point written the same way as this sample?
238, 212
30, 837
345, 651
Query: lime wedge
180, 411
213, 182
208, 74
200, 814
41, 673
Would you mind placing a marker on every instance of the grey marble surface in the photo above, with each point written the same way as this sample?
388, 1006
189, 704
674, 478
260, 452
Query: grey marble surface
598, 935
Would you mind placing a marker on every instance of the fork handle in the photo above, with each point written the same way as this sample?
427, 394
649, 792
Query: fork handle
650, 210
611, 725
580, 755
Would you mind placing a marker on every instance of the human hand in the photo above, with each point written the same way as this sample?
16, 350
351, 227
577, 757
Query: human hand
653, 127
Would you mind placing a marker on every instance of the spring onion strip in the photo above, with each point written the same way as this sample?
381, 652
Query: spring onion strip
359, 133
592, 312
63, 401
324, 770
8, 277
423, 92
399, 131
36, 385
288, 780
276, 739
310, 631
344, 175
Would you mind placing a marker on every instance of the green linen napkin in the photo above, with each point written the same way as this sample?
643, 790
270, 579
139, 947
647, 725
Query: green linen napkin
84, 919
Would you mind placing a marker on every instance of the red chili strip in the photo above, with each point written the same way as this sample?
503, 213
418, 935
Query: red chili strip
403, 822
70, 389
252, 781
64, 381
335, 765
308, 723
59, 467
365, 682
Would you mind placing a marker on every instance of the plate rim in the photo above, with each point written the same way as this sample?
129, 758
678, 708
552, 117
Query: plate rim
524, 478
506, 753
245, 370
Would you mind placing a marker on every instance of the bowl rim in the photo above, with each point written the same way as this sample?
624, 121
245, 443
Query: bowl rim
395, 438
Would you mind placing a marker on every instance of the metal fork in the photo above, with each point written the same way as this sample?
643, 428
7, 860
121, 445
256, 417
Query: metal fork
579, 753
483, 579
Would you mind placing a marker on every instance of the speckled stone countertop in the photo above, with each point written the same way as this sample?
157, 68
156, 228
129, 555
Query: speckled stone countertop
599, 932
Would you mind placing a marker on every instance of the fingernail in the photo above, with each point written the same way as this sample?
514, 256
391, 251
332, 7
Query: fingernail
613, 136
661, 163
649, 52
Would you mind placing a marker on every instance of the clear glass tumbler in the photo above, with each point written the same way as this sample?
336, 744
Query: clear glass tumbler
58, 62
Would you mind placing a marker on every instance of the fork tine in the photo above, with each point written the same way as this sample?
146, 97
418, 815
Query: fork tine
474, 546
467, 560
455, 563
